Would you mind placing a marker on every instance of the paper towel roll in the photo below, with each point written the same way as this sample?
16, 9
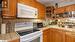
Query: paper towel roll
3, 28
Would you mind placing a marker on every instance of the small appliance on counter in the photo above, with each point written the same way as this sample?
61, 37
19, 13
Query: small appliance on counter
3, 28
37, 25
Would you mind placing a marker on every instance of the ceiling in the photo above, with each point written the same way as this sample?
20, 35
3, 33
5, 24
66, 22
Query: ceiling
52, 2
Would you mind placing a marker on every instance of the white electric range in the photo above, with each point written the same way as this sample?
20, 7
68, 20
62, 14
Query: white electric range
30, 36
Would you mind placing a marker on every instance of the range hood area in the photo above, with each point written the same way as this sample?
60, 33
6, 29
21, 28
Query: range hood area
71, 14
26, 11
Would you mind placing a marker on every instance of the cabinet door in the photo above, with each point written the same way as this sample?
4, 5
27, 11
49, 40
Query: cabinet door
46, 35
28, 2
56, 35
69, 37
70, 8
59, 10
11, 13
41, 10
59, 36
12, 7
52, 35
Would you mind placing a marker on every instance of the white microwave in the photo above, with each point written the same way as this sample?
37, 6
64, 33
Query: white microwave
25, 11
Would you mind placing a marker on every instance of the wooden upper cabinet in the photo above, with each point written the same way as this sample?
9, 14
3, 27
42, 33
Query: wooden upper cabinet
70, 8
42, 11
64, 9
12, 7
27, 2
59, 10
10, 10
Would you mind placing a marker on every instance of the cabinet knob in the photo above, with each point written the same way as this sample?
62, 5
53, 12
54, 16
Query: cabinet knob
35, 14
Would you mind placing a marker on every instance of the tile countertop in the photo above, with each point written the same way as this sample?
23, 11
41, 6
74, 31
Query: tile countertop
64, 28
57, 27
14, 35
68, 31
9, 36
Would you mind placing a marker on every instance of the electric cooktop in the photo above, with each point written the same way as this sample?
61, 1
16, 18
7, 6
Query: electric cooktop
27, 32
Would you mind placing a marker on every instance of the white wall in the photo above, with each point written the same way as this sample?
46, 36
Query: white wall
65, 3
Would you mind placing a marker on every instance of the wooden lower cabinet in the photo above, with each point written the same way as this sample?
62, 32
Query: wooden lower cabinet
58, 35
70, 37
46, 35
16, 40
53, 35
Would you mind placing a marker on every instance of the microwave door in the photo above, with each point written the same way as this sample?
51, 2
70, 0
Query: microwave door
25, 11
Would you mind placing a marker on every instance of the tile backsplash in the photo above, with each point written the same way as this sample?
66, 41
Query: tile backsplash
23, 24
10, 23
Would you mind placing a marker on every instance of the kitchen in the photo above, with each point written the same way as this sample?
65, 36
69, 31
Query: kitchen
37, 21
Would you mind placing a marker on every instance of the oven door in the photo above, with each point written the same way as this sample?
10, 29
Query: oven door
36, 40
